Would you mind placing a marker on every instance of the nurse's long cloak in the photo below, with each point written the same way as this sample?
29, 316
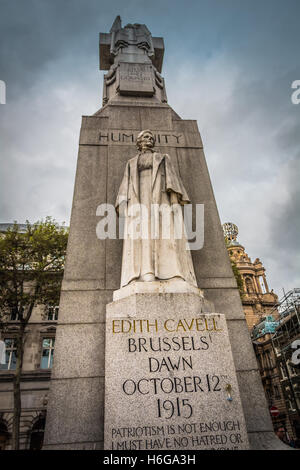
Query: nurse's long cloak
171, 256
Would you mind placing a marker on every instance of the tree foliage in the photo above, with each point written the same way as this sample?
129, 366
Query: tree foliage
31, 270
31, 267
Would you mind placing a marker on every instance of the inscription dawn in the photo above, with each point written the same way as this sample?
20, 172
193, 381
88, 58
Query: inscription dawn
167, 387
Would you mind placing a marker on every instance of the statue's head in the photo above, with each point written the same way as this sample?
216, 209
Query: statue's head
145, 140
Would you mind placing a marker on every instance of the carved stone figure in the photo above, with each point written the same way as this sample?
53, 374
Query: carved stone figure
136, 35
150, 198
133, 59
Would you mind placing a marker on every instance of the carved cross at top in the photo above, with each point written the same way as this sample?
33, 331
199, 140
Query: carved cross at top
132, 39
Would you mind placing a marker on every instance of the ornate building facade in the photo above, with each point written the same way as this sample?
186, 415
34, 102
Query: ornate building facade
274, 326
258, 301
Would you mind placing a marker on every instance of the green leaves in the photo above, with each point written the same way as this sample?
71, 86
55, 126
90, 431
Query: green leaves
31, 267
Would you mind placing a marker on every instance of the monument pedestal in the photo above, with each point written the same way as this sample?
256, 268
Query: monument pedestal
170, 380
168, 286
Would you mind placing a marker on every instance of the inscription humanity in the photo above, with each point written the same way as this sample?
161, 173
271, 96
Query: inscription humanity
130, 137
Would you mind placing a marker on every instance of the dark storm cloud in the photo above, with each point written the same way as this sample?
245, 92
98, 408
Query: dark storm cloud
36, 32
229, 64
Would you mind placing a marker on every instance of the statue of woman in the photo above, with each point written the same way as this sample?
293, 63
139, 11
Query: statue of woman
150, 198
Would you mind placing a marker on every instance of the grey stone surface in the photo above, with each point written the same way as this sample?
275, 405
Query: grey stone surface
157, 287
83, 306
98, 136
154, 304
228, 301
266, 441
134, 60
90, 191
75, 411
94, 445
136, 79
77, 345
167, 372
254, 401
242, 349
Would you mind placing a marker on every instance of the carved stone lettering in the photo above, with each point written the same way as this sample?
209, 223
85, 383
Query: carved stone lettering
170, 381
125, 137
136, 79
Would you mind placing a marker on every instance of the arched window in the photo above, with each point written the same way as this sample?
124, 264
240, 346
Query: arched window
249, 285
262, 285
37, 434
3, 435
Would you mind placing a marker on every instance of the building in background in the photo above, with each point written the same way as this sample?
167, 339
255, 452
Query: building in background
36, 372
258, 301
275, 330
35, 380
277, 348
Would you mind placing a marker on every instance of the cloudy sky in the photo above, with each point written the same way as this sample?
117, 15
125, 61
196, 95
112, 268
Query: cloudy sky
228, 63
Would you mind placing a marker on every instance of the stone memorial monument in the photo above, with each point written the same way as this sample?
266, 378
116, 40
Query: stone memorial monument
152, 348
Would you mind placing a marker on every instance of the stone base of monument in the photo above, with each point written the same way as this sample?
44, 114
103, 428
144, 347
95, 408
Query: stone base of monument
170, 380
175, 285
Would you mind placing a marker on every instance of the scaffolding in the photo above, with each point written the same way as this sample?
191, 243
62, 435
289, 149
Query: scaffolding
281, 329
286, 345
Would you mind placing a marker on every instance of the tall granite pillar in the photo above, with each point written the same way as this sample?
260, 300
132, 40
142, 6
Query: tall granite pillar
134, 98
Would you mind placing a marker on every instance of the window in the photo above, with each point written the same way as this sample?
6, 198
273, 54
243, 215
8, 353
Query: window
52, 313
290, 405
14, 314
249, 285
291, 368
10, 352
276, 391
262, 285
47, 353
3, 435
283, 370
269, 359
269, 394
37, 434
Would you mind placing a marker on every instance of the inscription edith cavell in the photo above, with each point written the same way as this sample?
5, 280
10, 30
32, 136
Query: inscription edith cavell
171, 384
